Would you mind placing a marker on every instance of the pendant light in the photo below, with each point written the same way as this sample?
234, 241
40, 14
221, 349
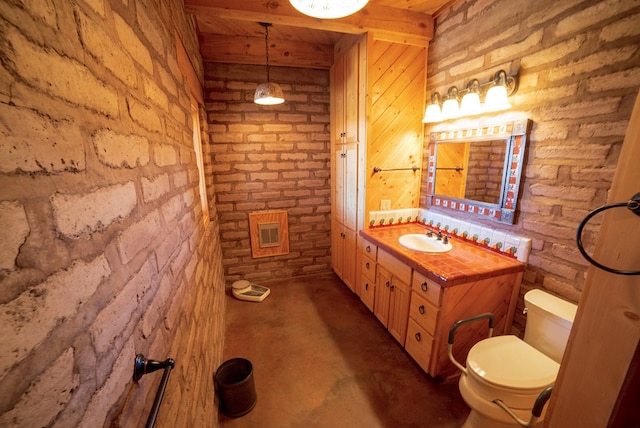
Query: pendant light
268, 93
328, 9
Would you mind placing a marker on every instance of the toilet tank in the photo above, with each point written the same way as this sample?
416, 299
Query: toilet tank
549, 321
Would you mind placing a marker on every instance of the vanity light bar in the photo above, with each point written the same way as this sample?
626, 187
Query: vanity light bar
496, 92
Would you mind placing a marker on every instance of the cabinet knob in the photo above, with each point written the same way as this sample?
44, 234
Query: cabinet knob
425, 286
368, 248
387, 283
393, 287
418, 337
343, 155
366, 265
421, 309
366, 286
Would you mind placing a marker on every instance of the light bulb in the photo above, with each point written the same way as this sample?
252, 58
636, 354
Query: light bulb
496, 99
450, 109
470, 104
432, 114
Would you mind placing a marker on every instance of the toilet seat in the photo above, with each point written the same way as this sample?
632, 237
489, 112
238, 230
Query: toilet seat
509, 369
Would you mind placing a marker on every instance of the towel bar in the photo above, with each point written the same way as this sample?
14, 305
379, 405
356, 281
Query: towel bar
378, 169
141, 367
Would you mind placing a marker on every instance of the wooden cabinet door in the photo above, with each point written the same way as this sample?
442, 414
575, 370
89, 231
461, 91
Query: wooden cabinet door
344, 215
382, 294
337, 248
349, 257
367, 291
339, 191
419, 344
345, 192
337, 101
350, 186
343, 253
351, 80
399, 297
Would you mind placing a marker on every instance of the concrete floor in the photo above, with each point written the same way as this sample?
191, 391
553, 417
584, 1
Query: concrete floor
321, 359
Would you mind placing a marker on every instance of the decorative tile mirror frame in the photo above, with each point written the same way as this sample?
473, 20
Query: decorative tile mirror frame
502, 207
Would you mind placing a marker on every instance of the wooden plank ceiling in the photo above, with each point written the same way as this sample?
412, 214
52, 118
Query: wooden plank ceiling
229, 30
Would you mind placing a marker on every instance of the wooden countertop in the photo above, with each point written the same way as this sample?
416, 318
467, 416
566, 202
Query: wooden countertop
463, 263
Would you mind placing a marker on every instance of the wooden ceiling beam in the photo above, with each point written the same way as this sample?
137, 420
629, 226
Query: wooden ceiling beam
392, 23
251, 50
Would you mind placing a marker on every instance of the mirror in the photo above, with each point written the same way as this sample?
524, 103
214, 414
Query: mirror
477, 170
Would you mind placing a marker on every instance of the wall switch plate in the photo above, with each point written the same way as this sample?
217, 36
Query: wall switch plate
385, 204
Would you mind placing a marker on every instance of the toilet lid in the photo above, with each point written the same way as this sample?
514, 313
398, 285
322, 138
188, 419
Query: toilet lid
508, 362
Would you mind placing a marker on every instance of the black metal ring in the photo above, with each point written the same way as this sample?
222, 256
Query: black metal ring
634, 205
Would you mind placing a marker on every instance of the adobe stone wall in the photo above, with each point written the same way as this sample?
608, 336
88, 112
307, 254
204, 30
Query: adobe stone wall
270, 158
104, 252
579, 68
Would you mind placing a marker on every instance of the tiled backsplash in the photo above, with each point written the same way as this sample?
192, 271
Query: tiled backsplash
497, 240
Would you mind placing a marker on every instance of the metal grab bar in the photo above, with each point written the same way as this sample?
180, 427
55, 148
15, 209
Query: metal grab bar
536, 412
141, 367
378, 169
452, 332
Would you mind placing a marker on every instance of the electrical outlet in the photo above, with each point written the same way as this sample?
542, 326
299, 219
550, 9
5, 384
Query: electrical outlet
385, 204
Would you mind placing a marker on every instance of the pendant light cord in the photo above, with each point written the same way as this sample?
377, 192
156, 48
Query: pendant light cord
266, 45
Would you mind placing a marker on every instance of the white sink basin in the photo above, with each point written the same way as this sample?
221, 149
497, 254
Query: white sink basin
424, 243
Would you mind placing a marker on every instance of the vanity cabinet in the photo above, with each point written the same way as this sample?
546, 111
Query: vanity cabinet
418, 296
392, 294
377, 101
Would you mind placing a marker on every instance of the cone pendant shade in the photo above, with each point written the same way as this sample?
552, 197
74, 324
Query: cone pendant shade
268, 94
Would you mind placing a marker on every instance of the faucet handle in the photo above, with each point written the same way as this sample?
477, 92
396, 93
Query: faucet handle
445, 241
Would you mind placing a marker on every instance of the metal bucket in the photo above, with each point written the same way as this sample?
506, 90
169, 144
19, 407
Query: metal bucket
235, 387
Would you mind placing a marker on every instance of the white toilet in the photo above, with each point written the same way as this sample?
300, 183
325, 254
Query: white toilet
514, 371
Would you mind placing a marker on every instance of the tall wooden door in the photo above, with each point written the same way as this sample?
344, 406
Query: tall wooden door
596, 373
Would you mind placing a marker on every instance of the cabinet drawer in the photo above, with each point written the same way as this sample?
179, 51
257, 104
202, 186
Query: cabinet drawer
427, 288
368, 268
423, 312
367, 292
369, 249
395, 266
419, 344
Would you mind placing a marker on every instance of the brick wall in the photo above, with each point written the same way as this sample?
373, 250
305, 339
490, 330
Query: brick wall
103, 249
579, 76
270, 158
